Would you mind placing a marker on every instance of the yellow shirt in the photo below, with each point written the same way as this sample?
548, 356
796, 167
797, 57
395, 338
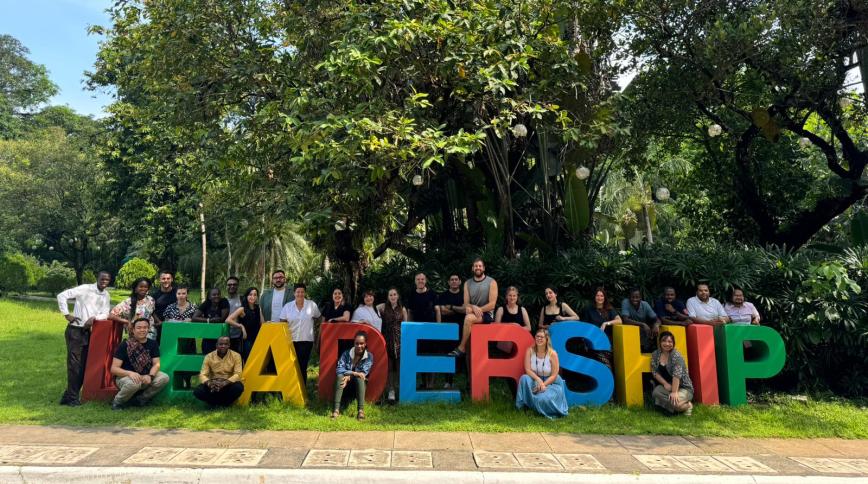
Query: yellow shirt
228, 367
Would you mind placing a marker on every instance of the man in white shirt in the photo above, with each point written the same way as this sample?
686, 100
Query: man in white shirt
299, 314
704, 309
91, 302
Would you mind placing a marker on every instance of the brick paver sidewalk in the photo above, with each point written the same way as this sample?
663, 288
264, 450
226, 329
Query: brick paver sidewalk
432, 451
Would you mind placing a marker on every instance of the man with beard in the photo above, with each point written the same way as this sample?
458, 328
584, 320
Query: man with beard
273, 299
480, 298
704, 309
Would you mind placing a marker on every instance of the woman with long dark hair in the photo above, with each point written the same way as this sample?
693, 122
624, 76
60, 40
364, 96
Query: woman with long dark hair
248, 318
394, 313
602, 314
138, 305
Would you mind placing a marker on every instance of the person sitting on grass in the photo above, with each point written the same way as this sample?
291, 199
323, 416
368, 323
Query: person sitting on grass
354, 366
220, 377
674, 390
541, 388
136, 367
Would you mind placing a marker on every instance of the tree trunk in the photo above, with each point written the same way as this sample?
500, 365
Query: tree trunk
204, 249
649, 237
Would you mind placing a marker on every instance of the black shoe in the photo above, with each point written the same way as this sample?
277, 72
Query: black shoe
70, 403
117, 406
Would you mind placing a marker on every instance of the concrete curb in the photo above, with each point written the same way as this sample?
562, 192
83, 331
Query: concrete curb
163, 475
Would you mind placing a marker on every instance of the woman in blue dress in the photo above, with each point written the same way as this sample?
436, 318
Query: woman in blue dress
541, 388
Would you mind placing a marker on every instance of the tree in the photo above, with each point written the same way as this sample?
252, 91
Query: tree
761, 85
327, 113
50, 187
23, 85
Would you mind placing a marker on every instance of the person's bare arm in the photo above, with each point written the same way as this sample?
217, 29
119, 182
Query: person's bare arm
492, 297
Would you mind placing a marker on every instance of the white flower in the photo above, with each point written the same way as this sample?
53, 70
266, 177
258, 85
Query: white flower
662, 194
417, 180
582, 172
714, 130
519, 130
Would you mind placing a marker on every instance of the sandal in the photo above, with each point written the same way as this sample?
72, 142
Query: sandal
457, 353
336, 414
360, 415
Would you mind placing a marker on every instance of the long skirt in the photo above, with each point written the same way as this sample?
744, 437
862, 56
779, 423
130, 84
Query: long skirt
550, 403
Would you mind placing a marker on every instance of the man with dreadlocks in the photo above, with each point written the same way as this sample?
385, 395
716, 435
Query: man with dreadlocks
136, 367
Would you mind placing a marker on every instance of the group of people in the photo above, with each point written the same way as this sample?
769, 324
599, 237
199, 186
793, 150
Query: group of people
136, 365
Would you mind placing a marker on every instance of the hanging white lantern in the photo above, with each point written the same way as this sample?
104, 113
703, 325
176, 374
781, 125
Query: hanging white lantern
582, 172
804, 142
662, 194
469, 165
715, 130
519, 130
417, 180
340, 225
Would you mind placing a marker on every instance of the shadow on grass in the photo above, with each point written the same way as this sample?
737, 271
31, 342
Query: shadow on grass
32, 378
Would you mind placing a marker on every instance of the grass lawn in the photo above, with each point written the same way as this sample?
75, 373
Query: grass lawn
33, 376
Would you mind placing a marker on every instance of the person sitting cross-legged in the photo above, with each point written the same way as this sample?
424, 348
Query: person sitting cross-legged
136, 367
220, 377
354, 366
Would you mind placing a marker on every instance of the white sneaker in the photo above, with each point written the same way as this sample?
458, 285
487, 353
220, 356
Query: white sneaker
447, 386
392, 395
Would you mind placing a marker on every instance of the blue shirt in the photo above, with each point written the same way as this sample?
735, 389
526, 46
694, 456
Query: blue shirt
345, 362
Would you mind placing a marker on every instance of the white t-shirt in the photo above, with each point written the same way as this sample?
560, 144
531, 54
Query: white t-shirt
365, 313
712, 309
276, 303
300, 320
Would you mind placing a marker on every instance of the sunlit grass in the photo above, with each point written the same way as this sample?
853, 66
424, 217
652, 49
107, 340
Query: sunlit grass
33, 376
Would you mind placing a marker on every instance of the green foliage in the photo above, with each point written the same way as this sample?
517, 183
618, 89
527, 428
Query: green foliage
88, 277
18, 273
859, 228
134, 269
813, 299
57, 277
23, 85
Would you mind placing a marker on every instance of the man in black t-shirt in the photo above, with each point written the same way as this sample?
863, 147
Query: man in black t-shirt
450, 303
421, 301
164, 296
136, 367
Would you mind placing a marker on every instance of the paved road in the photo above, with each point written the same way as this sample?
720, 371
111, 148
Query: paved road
62, 454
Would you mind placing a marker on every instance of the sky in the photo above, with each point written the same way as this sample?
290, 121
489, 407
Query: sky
55, 31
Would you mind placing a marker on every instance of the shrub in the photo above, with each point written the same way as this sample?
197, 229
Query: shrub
57, 277
134, 269
17, 272
88, 277
816, 300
